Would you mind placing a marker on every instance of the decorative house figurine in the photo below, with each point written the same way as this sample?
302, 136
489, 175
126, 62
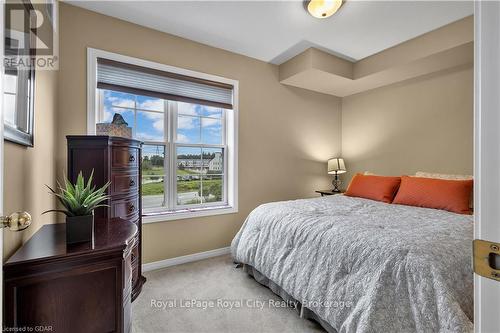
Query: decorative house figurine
118, 127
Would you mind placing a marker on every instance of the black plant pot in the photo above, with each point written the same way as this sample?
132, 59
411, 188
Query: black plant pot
79, 229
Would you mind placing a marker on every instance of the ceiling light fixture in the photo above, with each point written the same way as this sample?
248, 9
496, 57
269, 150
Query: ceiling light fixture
322, 8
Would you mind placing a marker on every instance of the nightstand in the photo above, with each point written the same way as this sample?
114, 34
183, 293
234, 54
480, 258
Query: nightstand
328, 192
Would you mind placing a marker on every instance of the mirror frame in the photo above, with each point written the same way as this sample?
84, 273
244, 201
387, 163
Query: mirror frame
12, 133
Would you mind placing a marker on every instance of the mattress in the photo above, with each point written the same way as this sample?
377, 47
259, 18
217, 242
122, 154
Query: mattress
365, 266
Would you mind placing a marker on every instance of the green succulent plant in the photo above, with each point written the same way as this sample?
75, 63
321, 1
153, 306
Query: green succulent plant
79, 199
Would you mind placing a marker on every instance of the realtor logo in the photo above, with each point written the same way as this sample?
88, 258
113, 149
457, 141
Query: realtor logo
30, 35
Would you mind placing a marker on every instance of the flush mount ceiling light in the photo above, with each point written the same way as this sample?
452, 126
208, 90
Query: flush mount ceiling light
322, 8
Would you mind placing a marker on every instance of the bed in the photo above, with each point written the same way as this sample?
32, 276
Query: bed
357, 265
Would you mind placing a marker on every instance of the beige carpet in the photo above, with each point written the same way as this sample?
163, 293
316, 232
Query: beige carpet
163, 305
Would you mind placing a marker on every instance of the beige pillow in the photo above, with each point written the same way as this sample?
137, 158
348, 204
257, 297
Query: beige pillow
442, 176
450, 177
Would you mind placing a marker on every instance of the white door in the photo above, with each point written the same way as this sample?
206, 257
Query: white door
487, 155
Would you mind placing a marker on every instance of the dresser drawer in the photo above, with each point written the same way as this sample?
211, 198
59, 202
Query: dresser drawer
127, 208
124, 157
124, 183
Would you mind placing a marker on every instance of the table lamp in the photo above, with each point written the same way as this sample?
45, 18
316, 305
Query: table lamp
336, 166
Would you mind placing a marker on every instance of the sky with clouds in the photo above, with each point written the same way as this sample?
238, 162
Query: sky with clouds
195, 123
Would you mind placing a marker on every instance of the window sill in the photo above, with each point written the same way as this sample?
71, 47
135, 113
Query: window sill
187, 214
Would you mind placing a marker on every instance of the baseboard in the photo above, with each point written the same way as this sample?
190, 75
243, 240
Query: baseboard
151, 266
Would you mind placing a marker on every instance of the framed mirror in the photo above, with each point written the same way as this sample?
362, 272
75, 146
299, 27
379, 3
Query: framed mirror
19, 80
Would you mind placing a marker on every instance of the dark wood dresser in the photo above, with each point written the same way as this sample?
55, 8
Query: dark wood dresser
52, 287
116, 160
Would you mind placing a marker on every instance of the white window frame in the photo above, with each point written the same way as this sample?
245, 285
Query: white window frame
173, 145
230, 177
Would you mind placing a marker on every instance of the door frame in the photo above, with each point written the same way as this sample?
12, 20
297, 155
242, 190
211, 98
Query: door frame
486, 153
1, 152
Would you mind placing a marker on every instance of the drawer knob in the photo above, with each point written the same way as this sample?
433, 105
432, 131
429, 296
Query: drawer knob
131, 208
131, 158
132, 183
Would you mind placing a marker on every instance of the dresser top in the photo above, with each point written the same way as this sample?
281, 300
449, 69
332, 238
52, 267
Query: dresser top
96, 139
49, 242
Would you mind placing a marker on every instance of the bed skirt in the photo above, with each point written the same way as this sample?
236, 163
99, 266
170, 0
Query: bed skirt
303, 311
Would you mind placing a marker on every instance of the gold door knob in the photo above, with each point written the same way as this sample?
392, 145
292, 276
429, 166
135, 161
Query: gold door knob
16, 221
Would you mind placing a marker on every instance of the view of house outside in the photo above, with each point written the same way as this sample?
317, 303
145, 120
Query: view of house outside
199, 176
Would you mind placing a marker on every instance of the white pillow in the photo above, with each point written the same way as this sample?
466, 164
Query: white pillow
442, 176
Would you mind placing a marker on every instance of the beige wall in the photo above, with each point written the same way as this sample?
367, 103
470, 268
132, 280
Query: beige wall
425, 124
285, 134
27, 170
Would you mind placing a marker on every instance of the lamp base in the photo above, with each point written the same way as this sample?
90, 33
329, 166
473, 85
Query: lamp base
336, 182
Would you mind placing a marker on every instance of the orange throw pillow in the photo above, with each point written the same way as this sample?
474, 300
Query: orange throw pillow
379, 188
450, 195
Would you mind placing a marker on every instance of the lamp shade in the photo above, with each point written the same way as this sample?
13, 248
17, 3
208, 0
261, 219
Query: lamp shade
336, 165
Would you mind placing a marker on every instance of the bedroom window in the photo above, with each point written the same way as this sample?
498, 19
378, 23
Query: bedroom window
189, 151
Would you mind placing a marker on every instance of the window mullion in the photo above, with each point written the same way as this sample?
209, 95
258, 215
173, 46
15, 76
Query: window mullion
201, 145
200, 133
100, 113
224, 177
201, 171
134, 128
224, 126
166, 156
226, 153
172, 111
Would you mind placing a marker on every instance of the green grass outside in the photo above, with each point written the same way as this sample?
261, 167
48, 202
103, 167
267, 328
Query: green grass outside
182, 186
153, 171
160, 171
152, 188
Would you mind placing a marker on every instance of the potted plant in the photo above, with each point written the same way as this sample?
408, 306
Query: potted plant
79, 201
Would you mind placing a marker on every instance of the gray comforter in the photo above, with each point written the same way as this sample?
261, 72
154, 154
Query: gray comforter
365, 266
